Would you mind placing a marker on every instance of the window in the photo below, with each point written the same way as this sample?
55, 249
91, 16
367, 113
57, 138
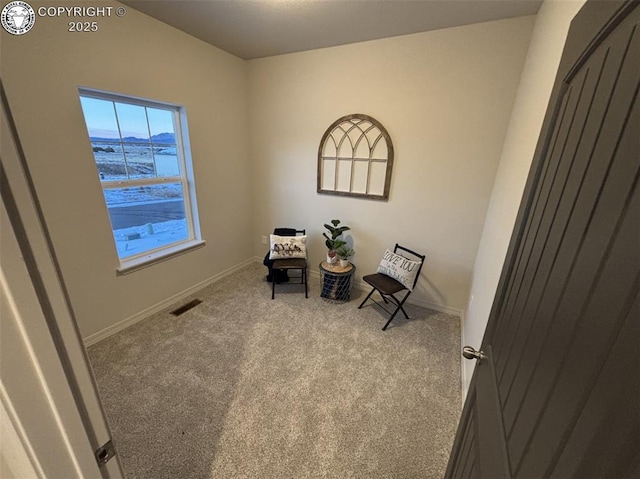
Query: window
141, 152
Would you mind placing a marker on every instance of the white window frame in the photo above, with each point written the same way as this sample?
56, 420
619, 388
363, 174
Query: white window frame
186, 179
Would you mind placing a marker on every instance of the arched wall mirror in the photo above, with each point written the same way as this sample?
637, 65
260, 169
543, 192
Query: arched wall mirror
355, 158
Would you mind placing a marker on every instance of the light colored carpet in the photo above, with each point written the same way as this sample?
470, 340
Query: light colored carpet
245, 387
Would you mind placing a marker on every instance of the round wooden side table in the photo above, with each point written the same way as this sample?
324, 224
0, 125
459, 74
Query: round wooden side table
336, 281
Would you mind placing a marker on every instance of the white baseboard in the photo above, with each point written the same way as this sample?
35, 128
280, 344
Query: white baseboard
441, 308
125, 323
362, 286
463, 369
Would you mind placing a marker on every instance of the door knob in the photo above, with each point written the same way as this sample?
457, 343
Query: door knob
469, 353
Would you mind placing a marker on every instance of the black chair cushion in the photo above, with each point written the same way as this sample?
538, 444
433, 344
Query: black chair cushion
290, 263
383, 283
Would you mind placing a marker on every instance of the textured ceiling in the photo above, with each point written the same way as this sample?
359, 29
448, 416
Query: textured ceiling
261, 28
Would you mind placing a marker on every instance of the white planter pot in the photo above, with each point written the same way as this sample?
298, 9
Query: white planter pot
332, 259
344, 263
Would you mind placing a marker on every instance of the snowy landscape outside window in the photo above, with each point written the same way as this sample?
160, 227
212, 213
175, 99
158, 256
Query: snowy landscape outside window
143, 163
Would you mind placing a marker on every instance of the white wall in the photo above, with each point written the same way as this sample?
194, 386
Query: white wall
138, 56
437, 93
445, 98
543, 58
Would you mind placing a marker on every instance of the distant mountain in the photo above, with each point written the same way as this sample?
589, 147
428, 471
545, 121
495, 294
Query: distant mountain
169, 138
133, 139
163, 138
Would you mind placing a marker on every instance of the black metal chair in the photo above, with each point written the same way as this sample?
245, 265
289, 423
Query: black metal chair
388, 287
282, 266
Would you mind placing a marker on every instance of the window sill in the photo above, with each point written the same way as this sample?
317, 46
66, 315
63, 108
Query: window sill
129, 266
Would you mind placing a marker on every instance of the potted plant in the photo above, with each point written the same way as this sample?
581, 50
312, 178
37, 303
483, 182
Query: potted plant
344, 253
334, 242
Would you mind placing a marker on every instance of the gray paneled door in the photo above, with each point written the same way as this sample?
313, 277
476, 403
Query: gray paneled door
558, 393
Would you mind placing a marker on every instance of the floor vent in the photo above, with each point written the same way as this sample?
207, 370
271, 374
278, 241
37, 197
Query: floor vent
186, 307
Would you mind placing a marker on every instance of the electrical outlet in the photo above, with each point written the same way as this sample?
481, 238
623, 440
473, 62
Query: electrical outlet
264, 239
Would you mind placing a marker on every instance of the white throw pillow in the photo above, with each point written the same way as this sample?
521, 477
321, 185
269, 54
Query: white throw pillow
399, 268
283, 247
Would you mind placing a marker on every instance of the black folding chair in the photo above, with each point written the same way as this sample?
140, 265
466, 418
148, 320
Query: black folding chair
388, 287
287, 264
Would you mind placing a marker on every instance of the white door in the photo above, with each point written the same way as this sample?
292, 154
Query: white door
52, 419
